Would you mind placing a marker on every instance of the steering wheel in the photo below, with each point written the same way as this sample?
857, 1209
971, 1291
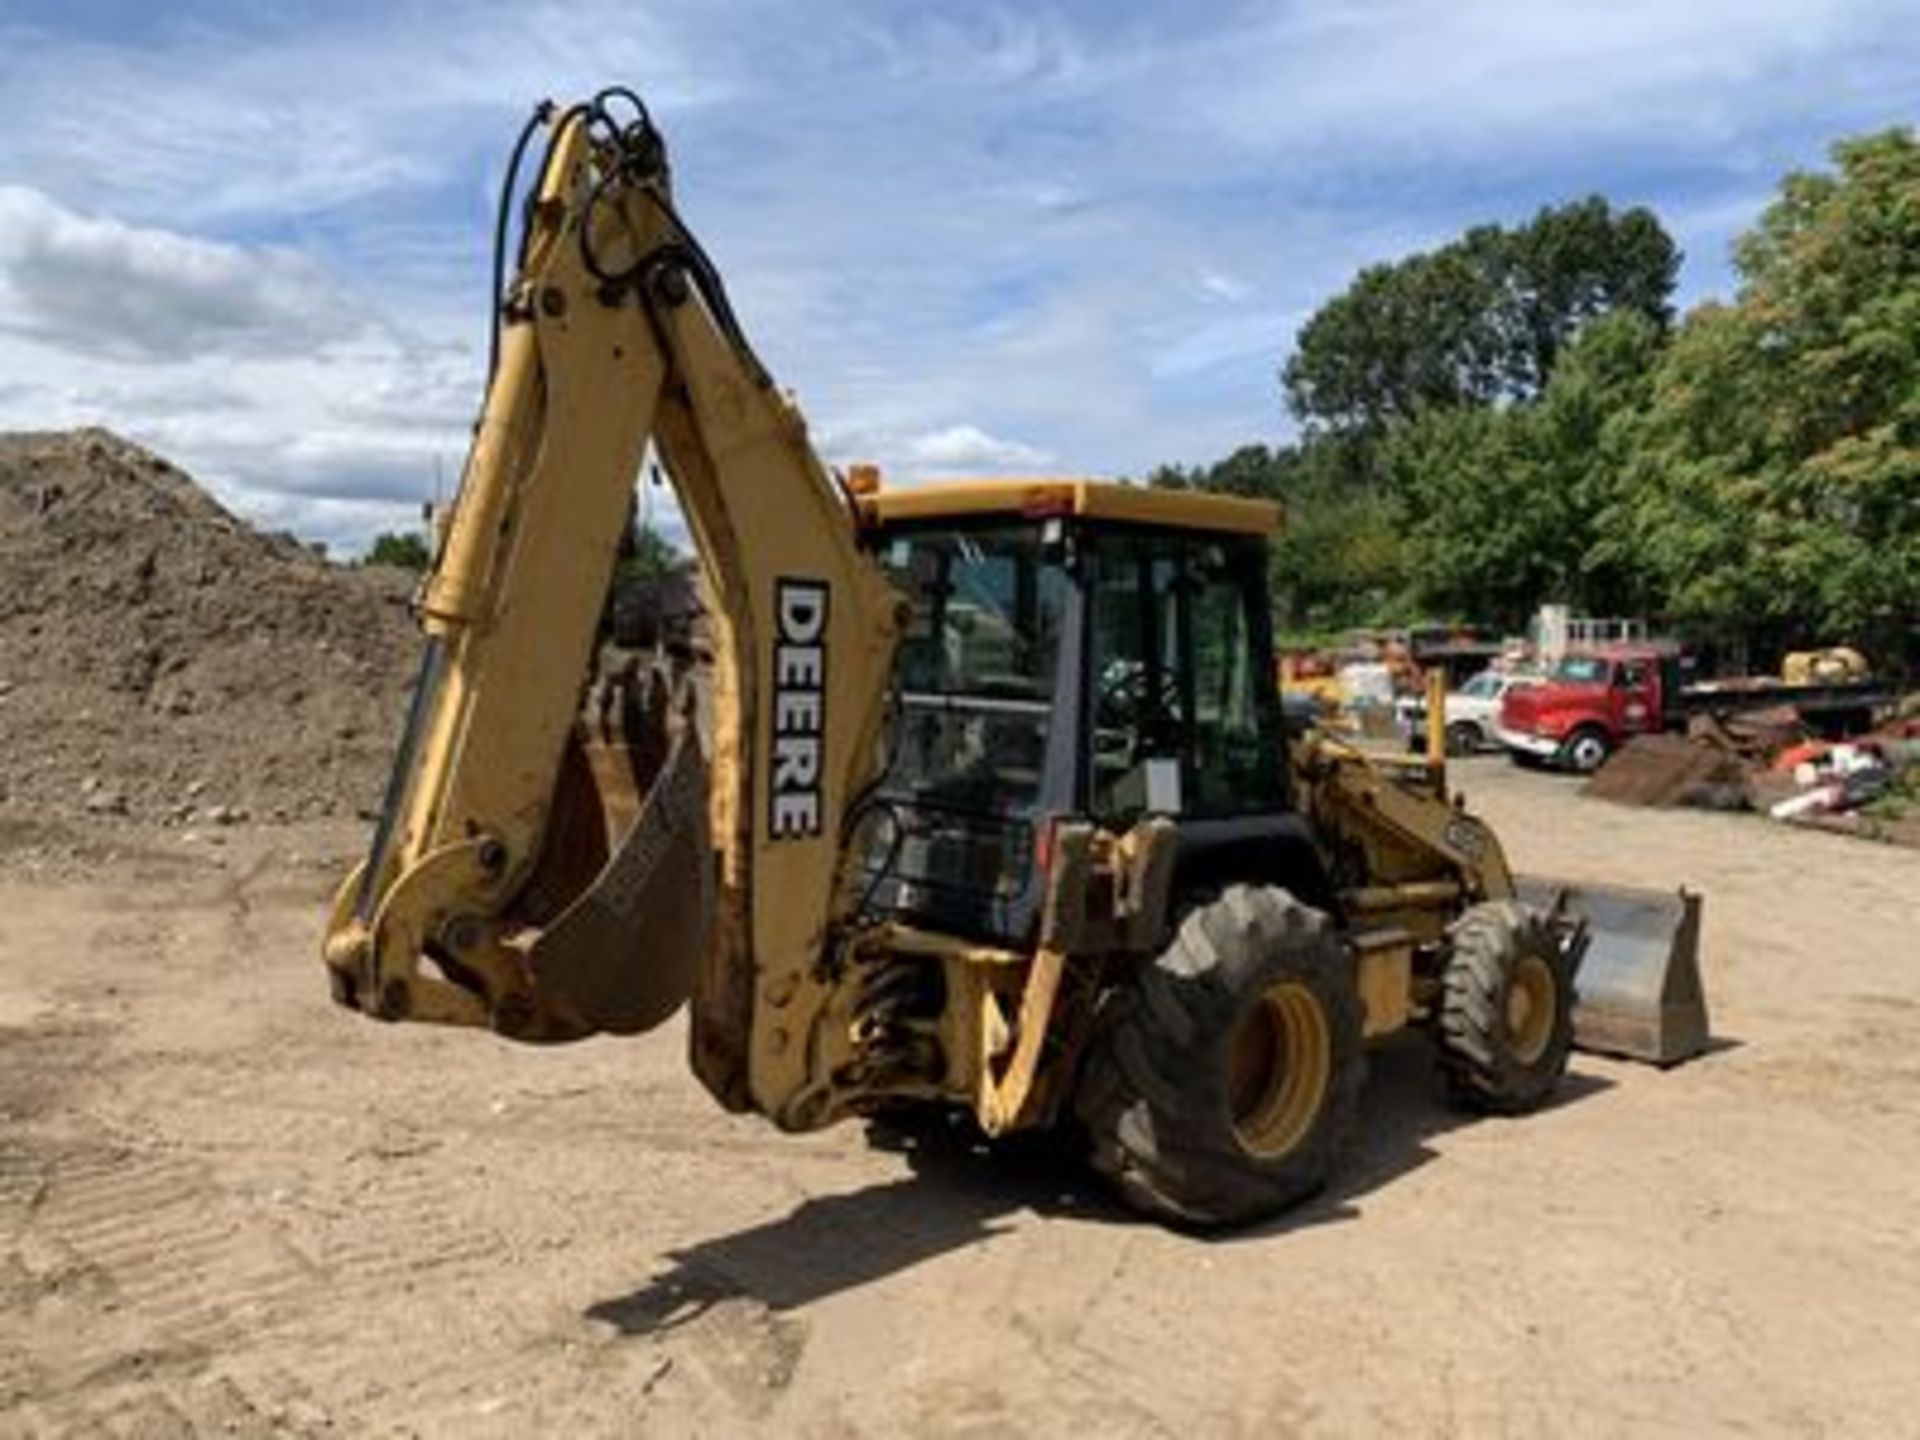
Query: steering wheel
1141, 716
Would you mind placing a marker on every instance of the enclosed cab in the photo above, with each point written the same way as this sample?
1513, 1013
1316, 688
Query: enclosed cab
1073, 649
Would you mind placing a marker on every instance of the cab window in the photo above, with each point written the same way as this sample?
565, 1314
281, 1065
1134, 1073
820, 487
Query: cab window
976, 663
1183, 721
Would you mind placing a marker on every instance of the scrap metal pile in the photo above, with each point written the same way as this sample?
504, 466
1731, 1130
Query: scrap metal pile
1770, 762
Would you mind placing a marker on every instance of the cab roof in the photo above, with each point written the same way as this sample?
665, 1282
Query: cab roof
1040, 497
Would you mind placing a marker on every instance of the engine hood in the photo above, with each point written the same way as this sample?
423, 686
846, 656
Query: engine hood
1525, 707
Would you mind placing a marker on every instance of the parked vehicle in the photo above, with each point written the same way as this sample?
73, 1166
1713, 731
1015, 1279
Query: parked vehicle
1590, 704
1472, 712
1463, 651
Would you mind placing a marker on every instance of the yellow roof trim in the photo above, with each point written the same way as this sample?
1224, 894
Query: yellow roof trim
1092, 499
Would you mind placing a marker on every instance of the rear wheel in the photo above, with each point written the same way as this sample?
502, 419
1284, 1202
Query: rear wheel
1586, 750
1463, 737
1506, 1010
1225, 1076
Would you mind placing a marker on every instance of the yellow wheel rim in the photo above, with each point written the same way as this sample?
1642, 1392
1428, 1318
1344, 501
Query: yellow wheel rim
1278, 1062
1530, 1009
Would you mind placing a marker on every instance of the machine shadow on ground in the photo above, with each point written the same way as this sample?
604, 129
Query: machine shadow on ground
963, 1190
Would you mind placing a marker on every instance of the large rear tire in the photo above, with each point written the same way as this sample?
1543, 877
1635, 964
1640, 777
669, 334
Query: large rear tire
1506, 1010
1224, 1078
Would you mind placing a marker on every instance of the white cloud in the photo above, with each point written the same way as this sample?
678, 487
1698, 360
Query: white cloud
343, 526
337, 464
968, 447
97, 286
230, 111
1223, 287
288, 441
158, 399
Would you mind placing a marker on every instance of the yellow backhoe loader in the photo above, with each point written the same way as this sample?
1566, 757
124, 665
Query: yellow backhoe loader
987, 802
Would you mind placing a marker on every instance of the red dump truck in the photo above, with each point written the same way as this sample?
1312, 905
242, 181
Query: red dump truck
1590, 703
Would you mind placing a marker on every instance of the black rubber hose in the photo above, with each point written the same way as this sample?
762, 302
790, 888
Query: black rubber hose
621, 92
542, 113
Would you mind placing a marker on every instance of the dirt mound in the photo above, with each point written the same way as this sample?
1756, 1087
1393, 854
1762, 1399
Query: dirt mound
159, 658
1663, 770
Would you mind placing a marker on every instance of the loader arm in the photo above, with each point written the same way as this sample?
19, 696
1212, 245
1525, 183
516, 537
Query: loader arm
733, 882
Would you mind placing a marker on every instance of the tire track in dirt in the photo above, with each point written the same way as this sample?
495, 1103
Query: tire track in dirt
173, 1277
391, 1234
145, 1288
201, 1311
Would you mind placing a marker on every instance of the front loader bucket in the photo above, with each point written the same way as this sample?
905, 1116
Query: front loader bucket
1638, 991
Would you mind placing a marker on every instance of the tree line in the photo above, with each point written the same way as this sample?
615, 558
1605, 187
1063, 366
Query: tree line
1519, 417
645, 556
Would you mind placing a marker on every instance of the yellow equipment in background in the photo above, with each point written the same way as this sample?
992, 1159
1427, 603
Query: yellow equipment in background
1834, 665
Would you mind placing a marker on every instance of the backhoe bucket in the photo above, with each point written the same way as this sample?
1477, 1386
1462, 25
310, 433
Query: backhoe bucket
622, 955
1638, 991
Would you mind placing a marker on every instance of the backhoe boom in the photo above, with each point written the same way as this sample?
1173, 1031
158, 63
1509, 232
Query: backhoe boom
475, 907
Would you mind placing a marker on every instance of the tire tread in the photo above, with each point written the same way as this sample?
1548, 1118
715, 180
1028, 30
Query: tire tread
1153, 1091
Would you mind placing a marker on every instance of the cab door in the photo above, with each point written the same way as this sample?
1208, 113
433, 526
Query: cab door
1184, 719
1633, 697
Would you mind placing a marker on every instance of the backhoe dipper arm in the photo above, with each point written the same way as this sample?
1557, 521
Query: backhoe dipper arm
472, 908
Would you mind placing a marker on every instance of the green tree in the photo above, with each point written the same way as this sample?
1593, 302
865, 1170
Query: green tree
1480, 321
1484, 536
406, 550
1774, 489
1570, 266
647, 555
1253, 471
1339, 559
1499, 507
1573, 440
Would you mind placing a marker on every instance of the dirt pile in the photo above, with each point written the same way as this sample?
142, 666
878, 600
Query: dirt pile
161, 659
1666, 770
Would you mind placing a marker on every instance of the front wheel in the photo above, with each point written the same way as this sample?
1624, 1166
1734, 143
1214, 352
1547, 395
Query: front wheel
1224, 1077
1585, 751
1506, 1010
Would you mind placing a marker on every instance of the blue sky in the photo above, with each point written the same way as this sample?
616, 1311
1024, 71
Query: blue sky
1070, 237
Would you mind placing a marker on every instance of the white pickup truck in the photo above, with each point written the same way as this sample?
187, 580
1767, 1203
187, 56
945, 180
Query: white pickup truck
1472, 712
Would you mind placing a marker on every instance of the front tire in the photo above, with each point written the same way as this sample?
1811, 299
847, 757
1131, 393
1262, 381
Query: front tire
1225, 1077
1586, 750
1506, 1010
1464, 738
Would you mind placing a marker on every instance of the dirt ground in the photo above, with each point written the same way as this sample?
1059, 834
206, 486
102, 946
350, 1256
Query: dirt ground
228, 1207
